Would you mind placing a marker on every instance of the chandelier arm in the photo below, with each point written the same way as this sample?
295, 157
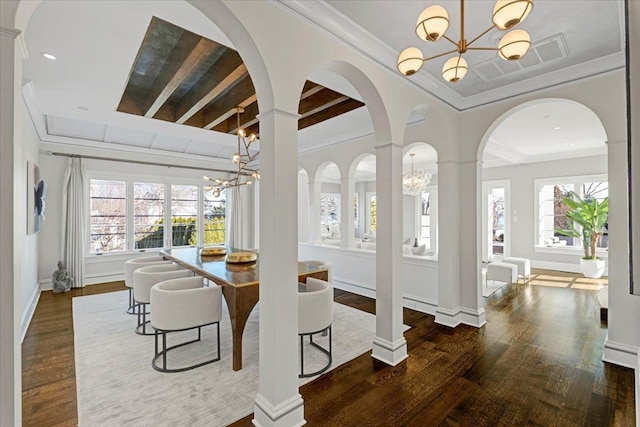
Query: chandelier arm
483, 48
481, 34
439, 55
447, 38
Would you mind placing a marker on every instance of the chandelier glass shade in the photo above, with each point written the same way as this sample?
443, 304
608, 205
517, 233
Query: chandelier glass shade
415, 182
433, 22
245, 172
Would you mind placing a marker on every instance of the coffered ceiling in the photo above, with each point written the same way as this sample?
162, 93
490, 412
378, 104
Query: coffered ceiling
181, 77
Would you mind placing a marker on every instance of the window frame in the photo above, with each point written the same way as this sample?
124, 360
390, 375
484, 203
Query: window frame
129, 179
577, 181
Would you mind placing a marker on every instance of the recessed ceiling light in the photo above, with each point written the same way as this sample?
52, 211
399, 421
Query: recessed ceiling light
48, 56
546, 116
556, 128
83, 108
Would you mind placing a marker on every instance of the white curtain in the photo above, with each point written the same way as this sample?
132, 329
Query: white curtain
234, 218
74, 222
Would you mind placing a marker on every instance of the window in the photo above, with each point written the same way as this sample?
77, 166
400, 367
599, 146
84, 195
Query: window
184, 215
329, 209
425, 220
148, 219
214, 218
108, 219
552, 209
138, 214
373, 212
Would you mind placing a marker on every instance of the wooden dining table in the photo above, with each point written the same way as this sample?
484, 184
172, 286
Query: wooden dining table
239, 282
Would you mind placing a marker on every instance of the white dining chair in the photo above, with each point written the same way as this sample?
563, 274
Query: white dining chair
315, 315
132, 265
143, 279
179, 305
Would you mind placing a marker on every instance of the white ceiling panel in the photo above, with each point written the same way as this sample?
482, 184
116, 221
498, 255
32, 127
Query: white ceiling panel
169, 143
137, 138
62, 126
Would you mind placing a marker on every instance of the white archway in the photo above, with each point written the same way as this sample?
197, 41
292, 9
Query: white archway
552, 140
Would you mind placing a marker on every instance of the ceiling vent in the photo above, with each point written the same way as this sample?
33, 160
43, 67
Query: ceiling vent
541, 52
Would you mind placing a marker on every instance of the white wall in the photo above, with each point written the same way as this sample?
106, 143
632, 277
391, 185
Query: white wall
354, 270
523, 197
29, 256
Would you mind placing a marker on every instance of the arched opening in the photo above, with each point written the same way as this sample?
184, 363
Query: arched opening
533, 157
329, 203
364, 200
420, 199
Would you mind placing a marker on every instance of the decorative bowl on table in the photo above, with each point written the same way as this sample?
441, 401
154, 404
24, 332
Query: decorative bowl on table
241, 257
213, 251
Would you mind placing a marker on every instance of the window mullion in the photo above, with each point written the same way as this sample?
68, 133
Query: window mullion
129, 215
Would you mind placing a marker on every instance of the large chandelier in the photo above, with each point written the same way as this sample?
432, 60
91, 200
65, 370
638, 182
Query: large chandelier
434, 21
245, 172
415, 182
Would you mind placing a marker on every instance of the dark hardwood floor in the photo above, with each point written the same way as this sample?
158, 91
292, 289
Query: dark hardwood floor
536, 362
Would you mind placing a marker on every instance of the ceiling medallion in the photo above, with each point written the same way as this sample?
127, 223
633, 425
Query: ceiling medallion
433, 22
242, 158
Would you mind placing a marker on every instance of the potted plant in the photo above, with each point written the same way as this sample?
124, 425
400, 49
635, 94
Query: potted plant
587, 219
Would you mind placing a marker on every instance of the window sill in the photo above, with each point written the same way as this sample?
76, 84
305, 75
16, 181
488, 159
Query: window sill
568, 250
119, 255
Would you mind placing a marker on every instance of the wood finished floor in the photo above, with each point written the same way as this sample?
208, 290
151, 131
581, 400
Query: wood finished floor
536, 362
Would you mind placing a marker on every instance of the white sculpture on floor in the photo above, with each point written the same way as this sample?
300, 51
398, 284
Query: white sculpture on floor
61, 280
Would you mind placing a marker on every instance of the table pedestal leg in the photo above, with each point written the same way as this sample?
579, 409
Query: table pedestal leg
240, 302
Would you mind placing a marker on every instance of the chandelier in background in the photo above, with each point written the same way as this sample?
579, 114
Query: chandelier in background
434, 21
415, 182
245, 173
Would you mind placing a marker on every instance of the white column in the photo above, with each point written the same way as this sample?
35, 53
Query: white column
315, 188
389, 344
347, 229
278, 402
448, 310
472, 311
11, 235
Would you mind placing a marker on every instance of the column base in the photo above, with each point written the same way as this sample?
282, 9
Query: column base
453, 318
620, 354
388, 352
287, 414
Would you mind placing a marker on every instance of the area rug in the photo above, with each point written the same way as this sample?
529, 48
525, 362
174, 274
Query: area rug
117, 386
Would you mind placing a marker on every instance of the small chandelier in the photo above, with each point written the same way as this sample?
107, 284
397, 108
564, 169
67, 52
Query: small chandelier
434, 21
242, 158
415, 182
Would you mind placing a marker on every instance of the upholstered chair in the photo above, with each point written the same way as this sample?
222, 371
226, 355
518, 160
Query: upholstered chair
132, 265
182, 304
143, 279
315, 315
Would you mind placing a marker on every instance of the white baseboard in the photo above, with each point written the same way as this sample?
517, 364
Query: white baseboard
389, 352
94, 279
620, 354
423, 305
354, 287
466, 316
561, 266
27, 315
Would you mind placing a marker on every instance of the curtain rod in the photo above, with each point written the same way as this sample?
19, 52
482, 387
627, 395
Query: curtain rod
140, 162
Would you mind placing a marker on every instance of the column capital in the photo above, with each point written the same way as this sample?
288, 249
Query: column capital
9, 32
388, 144
278, 112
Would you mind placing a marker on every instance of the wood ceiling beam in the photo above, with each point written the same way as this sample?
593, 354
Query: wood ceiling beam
242, 94
224, 73
322, 97
187, 55
328, 113
247, 119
